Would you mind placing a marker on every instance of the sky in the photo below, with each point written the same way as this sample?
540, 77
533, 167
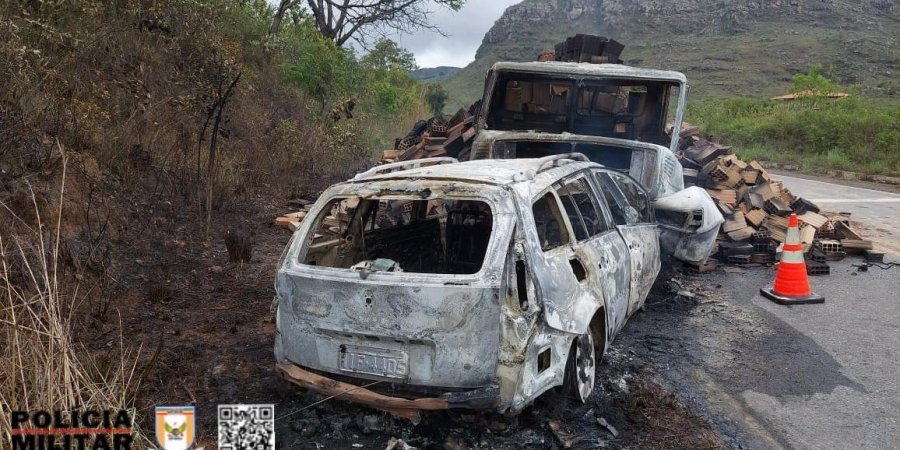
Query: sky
465, 29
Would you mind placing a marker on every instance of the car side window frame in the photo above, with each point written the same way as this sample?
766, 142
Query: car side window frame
596, 204
604, 208
559, 215
619, 202
567, 199
645, 212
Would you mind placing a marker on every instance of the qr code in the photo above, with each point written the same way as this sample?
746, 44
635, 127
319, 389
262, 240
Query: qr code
246, 427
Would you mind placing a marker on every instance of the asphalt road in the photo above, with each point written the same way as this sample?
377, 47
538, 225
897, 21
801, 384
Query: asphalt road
772, 376
876, 211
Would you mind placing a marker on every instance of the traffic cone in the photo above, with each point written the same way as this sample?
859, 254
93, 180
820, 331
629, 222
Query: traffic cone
791, 283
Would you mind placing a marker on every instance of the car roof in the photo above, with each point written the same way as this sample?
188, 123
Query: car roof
573, 69
500, 172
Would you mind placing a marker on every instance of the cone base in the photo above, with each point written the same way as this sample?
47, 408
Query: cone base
810, 299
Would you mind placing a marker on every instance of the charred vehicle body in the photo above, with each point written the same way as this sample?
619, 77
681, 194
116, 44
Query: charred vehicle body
614, 114
480, 284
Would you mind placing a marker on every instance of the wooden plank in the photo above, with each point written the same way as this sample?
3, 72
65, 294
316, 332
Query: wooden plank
284, 222
406, 408
299, 215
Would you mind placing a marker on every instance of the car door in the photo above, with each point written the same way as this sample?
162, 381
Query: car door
567, 303
603, 250
630, 208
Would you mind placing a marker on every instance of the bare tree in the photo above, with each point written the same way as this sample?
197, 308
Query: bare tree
341, 20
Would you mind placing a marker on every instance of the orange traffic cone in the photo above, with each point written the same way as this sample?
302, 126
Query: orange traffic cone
791, 283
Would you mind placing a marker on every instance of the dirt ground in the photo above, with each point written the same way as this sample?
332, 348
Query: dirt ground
206, 328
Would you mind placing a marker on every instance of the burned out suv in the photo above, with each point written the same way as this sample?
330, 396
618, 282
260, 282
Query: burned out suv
433, 284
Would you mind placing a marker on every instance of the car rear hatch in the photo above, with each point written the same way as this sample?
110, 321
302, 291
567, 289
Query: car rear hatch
411, 305
407, 331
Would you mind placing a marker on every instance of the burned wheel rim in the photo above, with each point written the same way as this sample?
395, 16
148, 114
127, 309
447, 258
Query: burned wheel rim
585, 366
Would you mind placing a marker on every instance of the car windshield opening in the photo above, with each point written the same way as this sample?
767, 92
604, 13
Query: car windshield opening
614, 157
639, 164
439, 236
609, 107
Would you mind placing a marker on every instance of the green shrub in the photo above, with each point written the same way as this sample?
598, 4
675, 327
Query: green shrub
856, 133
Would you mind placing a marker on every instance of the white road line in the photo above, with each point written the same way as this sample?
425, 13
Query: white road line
786, 179
855, 200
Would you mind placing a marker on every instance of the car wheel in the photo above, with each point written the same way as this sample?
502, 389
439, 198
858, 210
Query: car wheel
581, 368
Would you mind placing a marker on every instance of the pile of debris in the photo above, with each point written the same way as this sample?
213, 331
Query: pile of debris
337, 220
585, 48
756, 209
439, 136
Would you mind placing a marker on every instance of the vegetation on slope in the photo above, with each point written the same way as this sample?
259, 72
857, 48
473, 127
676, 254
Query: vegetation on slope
174, 116
858, 133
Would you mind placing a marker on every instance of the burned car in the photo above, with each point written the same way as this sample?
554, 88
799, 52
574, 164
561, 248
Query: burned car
432, 284
614, 114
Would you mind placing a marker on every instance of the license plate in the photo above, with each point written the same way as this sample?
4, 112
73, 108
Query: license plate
374, 361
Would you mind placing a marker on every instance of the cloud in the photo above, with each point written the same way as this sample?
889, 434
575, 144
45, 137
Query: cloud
465, 29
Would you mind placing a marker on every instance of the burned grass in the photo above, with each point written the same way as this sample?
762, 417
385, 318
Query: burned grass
664, 422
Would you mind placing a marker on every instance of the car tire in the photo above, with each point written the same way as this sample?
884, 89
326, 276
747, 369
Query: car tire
581, 369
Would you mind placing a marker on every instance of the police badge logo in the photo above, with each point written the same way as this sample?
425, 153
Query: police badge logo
175, 427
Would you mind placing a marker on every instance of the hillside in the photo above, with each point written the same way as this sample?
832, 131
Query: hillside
434, 74
725, 48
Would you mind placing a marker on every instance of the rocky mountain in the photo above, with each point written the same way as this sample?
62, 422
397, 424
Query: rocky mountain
434, 74
725, 47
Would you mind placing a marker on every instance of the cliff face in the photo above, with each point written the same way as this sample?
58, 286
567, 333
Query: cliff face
690, 16
749, 47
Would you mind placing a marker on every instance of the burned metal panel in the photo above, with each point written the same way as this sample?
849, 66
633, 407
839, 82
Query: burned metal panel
611, 268
524, 336
643, 245
567, 305
448, 335
693, 239
578, 70
531, 381
520, 314
445, 328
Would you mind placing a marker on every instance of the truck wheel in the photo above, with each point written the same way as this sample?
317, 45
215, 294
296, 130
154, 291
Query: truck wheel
581, 368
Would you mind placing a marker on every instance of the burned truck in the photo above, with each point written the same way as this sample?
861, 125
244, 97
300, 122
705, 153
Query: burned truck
616, 115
